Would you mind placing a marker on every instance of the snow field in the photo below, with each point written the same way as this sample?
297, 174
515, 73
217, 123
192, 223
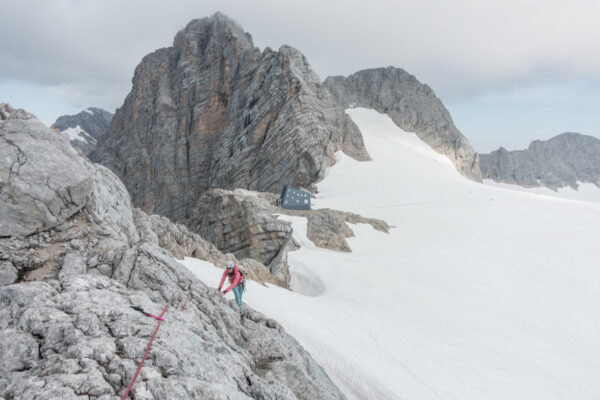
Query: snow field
78, 133
584, 192
478, 292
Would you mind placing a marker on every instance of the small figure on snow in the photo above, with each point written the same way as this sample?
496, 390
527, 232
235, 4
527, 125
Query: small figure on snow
238, 283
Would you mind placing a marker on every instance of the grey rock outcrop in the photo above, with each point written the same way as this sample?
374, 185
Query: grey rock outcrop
180, 242
246, 224
67, 329
329, 228
564, 160
328, 231
8, 273
213, 111
242, 222
176, 238
84, 129
412, 106
34, 199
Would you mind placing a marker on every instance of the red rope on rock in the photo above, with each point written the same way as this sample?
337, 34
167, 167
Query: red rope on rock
186, 299
145, 355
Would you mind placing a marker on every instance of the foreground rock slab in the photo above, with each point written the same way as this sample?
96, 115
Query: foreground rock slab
67, 284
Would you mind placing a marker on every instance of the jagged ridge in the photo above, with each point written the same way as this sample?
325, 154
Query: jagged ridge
412, 106
563, 160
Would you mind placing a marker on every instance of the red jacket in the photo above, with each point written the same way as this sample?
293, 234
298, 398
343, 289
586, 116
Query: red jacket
235, 277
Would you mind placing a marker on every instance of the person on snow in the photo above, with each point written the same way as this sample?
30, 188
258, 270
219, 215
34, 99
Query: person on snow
236, 280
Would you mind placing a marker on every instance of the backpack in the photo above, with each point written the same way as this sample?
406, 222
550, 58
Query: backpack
243, 281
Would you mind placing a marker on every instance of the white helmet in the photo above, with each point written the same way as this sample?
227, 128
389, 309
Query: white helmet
230, 264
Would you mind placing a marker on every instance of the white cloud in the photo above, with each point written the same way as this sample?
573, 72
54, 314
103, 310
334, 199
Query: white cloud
463, 49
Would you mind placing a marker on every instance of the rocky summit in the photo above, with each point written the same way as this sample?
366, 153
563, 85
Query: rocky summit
84, 129
412, 106
564, 160
75, 257
213, 111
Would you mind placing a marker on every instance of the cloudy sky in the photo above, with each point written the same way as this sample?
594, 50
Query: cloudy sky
509, 71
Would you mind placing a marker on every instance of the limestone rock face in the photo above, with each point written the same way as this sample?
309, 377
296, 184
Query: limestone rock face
67, 329
246, 224
412, 106
178, 240
33, 196
242, 223
561, 161
213, 111
85, 128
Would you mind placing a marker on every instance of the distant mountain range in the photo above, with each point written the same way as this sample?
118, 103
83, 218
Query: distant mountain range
213, 111
86, 128
564, 160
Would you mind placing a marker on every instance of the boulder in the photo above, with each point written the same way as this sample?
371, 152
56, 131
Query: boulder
243, 223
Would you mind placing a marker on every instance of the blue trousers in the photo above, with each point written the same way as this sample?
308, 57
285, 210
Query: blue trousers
237, 292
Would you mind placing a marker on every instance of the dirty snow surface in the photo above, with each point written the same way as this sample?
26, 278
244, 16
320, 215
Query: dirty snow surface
478, 292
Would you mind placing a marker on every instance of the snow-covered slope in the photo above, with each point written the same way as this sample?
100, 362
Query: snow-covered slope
78, 133
478, 292
584, 191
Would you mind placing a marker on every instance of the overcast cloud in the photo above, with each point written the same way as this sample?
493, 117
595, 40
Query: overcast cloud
481, 57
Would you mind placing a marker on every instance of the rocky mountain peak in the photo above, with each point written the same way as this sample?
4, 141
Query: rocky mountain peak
412, 106
298, 63
563, 160
85, 128
566, 138
202, 34
213, 111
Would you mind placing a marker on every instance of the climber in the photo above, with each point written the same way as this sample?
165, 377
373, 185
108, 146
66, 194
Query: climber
236, 278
